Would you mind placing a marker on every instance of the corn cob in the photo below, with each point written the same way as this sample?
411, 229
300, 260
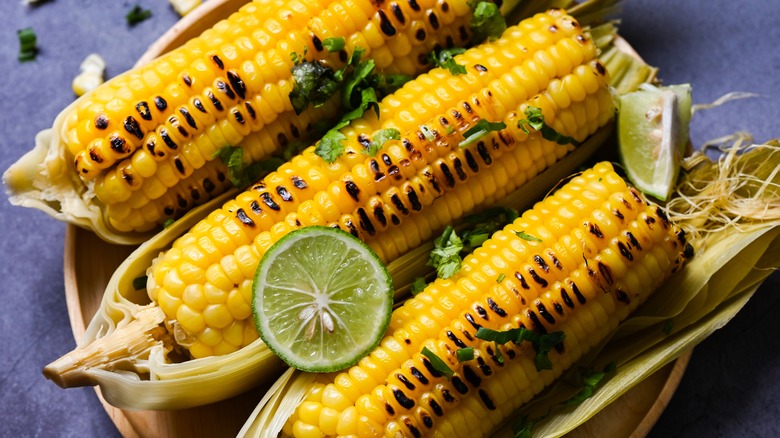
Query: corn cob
203, 284
123, 146
596, 251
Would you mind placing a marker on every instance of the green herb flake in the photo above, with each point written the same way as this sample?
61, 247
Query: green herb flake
480, 129
428, 133
535, 121
385, 84
590, 381
450, 130
418, 285
487, 23
542, 344
137, 15
522, 427
439, 365
380, 138
139, 283
334, 44
499, 354
525, 236
445, 256
28, 48
501, 277
465, 354
445, 59
667, 327
168, 222
330, 147
314, 84
241, 174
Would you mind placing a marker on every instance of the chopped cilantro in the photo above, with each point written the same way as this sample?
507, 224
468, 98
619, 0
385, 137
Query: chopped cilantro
445, 256
479, 130
314, 84
590, 380
137, 15
487, 23
428, 133
483, 225
542, 344
241, 174
334, 44
525, 236
140, 282
330, 147
438, 364
499, 354
418, 285
386, 84
465, 354
168, 222
535, 120
522, 427
28, 41
445, 58
379, 140
501, 277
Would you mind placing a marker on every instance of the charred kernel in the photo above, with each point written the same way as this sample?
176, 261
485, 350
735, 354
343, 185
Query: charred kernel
389, 409
495, 308
459, 385
364, 140
284, 194
352, 190
483, 367
408, 341
649, 220
282, 139
250, 110
458, 343
542, 264
118, 144
214, 101
401, 378
198, 105
681, 236
632, 239
238, 116
420, 35
688, 250
664, 218
379, 214
151, 144
483, 153
481, 312
188, 117
418, 375
395, 219
510, 353
463, 33
413, 199
635, 194
221, 177
471, 321
343, 56
95, 156
182, 202
555, 261
385, 25
167, 139
269, 201
624, 251
458, 165
539, 280
297, 223
450, 179
449, 42
445, 394
402, 399
317, 42
225, 88
580, 38
409, 423
179, 165
294, 131
576, 290
431, 370
558, 308
365, 221
456, 114
186, 79
398, 12
426, 419
435, 407
471, 376
480, 67
143, 110
298, 182
218, 62
622, 296
160, 103
353, 231
127, 176
168, 210
553, 28
434, 20
132, 127
237, 83
467, 107
538, 326
595, 230
246, 220
399, 205
601, 69
544, 313
522, 281
413, 4
566, 298
471, 162
618, 214
194, 193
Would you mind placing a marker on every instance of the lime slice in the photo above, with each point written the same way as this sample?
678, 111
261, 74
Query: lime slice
652, 136
322, 299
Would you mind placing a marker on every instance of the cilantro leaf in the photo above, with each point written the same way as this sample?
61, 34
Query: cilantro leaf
480, 129
314, 84
334, 44
487, 23
445, 58
525, 236
465, 354
542, 344
137, 15
418, 285
445, 256
438, 364
535, 120
386, 84
522, 427
483, 225
330, 147
242, 174
379, 140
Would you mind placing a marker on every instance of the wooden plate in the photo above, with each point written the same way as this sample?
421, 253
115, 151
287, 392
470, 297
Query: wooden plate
89, 263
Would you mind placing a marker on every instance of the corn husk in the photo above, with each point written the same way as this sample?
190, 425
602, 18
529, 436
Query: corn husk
147, 376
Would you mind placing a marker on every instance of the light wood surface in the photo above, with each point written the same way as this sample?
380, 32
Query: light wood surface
89, 263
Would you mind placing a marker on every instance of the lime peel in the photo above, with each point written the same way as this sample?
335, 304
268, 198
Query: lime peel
322, 299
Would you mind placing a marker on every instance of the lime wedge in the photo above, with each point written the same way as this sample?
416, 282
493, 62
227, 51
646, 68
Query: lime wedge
322, 299
652, 136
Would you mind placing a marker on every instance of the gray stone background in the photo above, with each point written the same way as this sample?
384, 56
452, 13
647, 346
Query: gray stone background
732, 386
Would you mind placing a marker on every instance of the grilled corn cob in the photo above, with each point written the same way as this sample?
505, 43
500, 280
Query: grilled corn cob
203, 284
578, 263
125, 145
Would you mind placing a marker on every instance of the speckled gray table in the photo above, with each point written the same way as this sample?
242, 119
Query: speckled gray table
732, 386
